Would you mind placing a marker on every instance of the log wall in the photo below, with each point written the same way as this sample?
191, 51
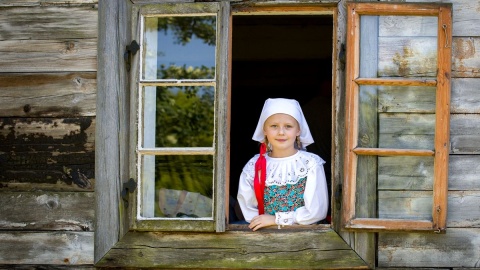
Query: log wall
47, 125
459, 247
47, 131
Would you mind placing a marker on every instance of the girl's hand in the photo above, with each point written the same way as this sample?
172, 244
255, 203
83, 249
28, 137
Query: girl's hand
261, 221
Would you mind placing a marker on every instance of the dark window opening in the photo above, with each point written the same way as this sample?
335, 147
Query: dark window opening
288, 56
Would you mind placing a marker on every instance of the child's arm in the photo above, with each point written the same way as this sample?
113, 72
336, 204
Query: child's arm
246, 197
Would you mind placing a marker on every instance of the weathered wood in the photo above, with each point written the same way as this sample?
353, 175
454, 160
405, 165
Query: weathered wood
466, 57
465, 18
48, 55
404, 56
30, 3
464, 172
235, 250
57, 248
462, 207
58, 153
464, 132
69, 211
459, 247
43, 266
47, 94
416, 130
21, 24
465, 98
112, 132
465, 95
416, 173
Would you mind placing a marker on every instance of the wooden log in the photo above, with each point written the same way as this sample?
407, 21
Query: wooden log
464, 130
48, 94
465, 95
47, 23
55, 153
466, 57
50, 55
459, 247
30, 3
69, 211
416, 130
276, 249
57, 248
462, 211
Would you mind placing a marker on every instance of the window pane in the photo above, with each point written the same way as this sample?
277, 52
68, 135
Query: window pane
397, 117
177, 186
407, 45
179, 47
178, 116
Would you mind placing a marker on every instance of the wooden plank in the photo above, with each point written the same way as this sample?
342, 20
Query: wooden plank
466, 57
464, 172
465, 18
459, 247
278, 249
407, 57
48, 23
402, 56
464, 130
462, 207
416, 173
62, 248
30, 3
442, 119
112, 133
42, 266
52, 55
465, 95
45, 152
465, 98
69, 211
48, 94
407, 131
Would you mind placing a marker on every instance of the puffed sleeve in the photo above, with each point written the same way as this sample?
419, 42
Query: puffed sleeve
246, 193
315, 197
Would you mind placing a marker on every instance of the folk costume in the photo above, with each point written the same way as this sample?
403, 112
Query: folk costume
292, 188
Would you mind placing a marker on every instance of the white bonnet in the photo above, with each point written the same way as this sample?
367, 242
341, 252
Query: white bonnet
286, 106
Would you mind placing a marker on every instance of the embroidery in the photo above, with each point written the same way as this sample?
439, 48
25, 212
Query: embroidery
284, 198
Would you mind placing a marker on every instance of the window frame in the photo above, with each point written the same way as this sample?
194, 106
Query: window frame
218, 150
442, 118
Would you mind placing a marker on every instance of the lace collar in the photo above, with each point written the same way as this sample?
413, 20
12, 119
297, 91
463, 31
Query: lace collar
287, 170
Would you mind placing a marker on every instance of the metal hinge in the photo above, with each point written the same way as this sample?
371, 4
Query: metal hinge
128, 187
130, 50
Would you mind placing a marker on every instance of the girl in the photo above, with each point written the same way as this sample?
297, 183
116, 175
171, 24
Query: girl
283, 185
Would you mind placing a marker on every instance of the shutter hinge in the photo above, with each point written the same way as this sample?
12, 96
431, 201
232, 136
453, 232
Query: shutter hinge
130, 50
128, 187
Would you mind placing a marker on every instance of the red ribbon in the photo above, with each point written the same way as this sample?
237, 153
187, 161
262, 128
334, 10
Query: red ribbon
260, 177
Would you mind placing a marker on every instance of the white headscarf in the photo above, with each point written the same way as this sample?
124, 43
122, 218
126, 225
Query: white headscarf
286, 106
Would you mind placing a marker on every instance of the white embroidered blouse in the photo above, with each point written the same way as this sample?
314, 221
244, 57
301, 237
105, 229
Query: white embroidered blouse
295, 189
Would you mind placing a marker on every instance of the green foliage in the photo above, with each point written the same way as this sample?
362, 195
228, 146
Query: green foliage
186, 27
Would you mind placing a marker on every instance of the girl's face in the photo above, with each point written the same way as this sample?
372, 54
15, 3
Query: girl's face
281, 131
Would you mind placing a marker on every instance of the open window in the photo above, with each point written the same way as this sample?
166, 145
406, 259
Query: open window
181, 103
200, 141
397, 116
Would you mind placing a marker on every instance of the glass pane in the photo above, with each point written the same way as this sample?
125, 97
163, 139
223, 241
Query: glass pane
178, 116
405, 204
366, 191
177, 186
397, 117
179, 48
407, 46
